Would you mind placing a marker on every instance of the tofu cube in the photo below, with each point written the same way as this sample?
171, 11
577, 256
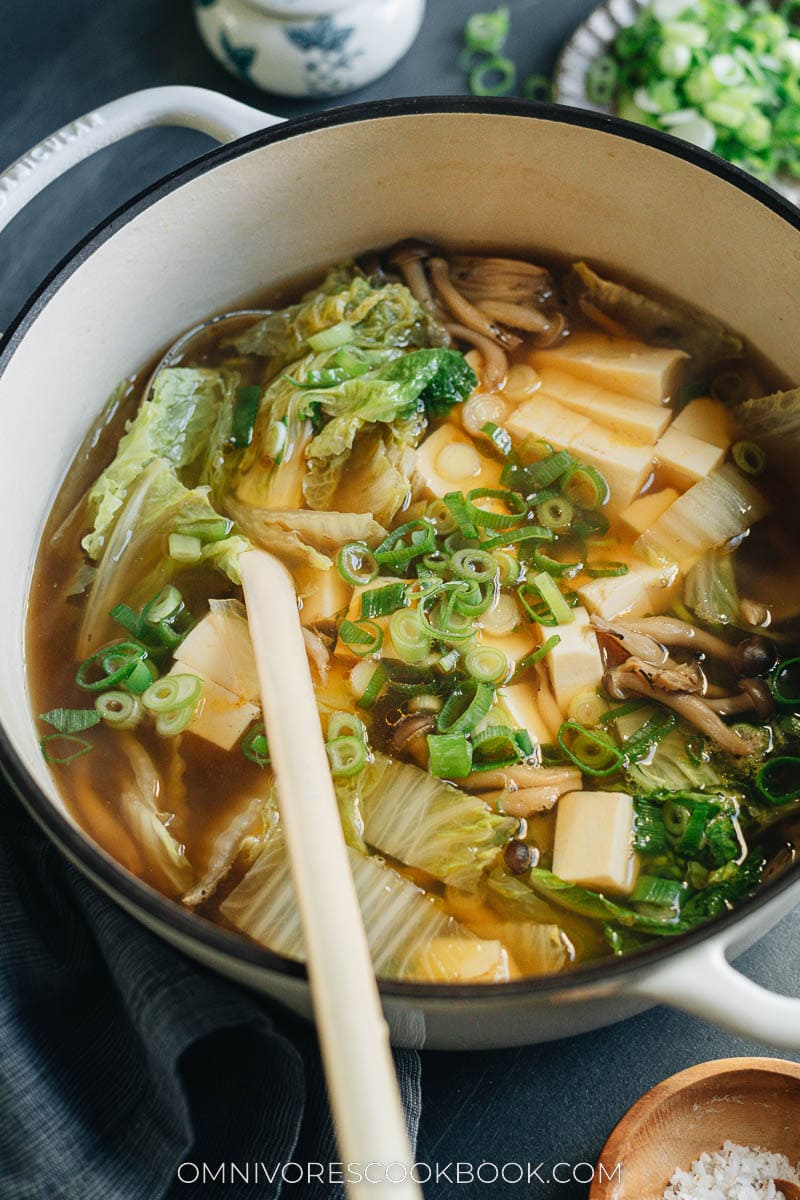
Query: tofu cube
594, 841
645, 511
219, 648
625, 463
514, 645
630, 594
326, 596
448, 461
574, 664
544, 419
649, 373
706, 419
518, 703
635, 418
684, 459
354, 614
221, 716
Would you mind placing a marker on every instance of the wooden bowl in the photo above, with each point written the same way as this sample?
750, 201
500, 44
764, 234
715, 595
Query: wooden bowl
751, 1101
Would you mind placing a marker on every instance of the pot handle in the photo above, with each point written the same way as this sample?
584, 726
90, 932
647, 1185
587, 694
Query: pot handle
196, 108
702, 982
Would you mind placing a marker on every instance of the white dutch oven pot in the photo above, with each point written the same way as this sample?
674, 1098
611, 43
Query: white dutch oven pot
298, 196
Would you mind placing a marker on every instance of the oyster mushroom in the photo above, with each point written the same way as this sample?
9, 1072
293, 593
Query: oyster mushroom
464, 311
408, 258
621, 685
753, 655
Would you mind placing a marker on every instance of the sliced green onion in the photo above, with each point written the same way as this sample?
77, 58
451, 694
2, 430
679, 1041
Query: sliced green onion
556, 513
676, 818
784, 682
536, 656
749, 458
458, 509
606, 569
206, 529
537, 88
449, 661
345, 724
553, 609
70, 720
585, 487
500, 439
448, 626
347, 755
591, 750
601, 80
244, 416
529, 533
170, 724
379, 602
562, 570
476, 566
486, 664
496, 77
695, 831
329, 339
406, 543
465, 708
409, 638
73, 747
117, 661
185, 549
650, 836
128, 618
450, 755
778, 780
374, 688
356, 564
661, 893
119, 709
494, 748
255, 746
492, 520
648, 735
361, 638
547, 470
441, 516
168, 603
140, 677
508, 567
486, 32
172, 692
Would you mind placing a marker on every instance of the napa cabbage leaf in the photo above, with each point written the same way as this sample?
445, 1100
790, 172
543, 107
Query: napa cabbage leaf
135, 564
382, 316
185, 422
400, 921
429, 824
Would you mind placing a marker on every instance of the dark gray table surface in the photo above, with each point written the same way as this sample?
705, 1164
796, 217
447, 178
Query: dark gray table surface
60, 58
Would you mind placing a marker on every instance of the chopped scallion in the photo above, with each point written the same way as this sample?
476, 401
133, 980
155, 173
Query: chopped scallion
70, 720
450, 755
71, 748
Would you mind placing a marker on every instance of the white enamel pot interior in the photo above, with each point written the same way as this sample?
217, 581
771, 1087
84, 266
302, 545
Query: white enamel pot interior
277, 204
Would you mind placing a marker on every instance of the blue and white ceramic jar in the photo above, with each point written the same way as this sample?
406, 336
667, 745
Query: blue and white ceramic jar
309, 47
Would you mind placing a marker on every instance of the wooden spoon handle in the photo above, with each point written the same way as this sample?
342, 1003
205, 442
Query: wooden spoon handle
354, 1038
790, 1190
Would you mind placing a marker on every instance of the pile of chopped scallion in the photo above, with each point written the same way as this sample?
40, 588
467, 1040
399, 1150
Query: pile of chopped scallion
720, 74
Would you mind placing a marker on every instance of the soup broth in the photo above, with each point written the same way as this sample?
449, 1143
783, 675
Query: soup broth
548, 584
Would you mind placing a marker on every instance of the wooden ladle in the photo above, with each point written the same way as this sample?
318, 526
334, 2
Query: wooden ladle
749, 1101
354, 1038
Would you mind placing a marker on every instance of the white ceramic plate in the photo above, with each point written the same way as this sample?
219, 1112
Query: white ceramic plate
594, 37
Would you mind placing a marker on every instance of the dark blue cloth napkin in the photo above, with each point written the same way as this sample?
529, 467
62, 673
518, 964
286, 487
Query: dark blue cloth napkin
120, 1060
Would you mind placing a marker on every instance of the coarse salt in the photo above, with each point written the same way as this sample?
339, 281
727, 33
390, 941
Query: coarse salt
733, 1173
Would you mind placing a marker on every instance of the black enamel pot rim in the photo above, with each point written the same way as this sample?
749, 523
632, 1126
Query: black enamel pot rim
138, 895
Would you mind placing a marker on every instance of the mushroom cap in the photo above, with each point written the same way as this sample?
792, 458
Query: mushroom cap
409, 250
